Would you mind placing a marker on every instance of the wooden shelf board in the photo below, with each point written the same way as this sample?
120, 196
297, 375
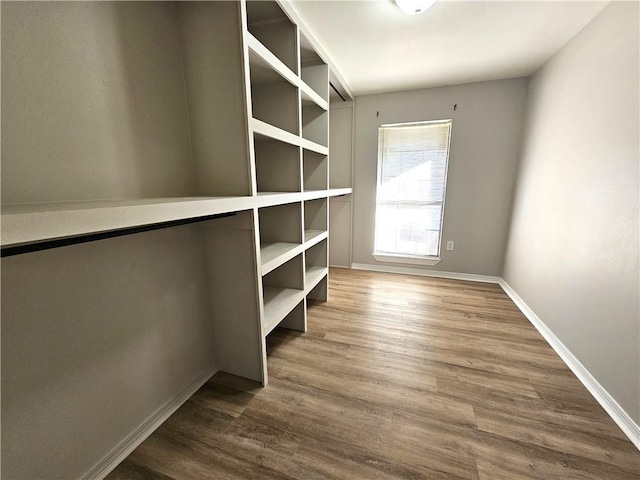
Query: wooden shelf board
278, 302
322, 192
274, 254
311, 237
262, 128
313, 146
261, 72
270, 199
313, 276
337, 192
268, 59
260, 53
267, 199
310, 96
23, 224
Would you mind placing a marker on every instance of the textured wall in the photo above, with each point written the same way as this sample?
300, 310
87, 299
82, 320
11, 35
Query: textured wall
573, 246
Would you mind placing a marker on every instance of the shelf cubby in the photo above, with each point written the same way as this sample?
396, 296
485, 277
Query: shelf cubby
280, 234
270, 26
315, 123
277, 165
273, 99
341, 151
315, 218
296, 319
316, 265
315, 171
283, 290
314, 71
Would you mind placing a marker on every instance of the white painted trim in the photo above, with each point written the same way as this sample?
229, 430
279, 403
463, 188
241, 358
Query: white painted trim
385, 257
140, 434
426, 273
604, 398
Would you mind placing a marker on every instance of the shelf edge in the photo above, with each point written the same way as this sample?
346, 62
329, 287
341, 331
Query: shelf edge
315, 280
47, 225
270, 323
281, 259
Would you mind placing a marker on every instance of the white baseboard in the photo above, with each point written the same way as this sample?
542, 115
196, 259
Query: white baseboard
604, 398
426, 273
139, 435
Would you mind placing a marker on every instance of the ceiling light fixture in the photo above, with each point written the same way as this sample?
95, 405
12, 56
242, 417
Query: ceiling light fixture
414, 7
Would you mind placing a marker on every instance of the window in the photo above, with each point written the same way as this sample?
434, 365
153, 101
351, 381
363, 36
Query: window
412, 175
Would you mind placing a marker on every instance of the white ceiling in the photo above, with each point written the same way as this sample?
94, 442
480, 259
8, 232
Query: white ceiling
377, 48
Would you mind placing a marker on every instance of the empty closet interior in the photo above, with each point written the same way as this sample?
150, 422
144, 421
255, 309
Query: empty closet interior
165, 186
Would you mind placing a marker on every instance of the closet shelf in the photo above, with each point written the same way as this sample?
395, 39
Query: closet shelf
269, 59
29, 223
262, 128
315, 194
278, 302
269, 199
313, 276
311, 237
274, 254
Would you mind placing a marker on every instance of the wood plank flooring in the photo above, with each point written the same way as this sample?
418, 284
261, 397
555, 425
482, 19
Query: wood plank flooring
397, 377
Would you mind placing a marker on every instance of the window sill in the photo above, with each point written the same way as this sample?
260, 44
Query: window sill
429, 261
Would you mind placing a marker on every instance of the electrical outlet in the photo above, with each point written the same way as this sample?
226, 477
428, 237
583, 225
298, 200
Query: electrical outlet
450, 245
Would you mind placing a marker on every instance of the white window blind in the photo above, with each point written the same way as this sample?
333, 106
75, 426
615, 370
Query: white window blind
412, 173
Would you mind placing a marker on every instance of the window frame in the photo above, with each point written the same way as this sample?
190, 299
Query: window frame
429, 260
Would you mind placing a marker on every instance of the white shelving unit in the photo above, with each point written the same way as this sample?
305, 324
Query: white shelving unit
274, 166
184, 144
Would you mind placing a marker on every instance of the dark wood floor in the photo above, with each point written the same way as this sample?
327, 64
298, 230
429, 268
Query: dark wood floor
397, 377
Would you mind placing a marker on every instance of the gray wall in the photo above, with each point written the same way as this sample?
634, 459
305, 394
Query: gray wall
95, 337
81, 83
484, 150
573, 246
